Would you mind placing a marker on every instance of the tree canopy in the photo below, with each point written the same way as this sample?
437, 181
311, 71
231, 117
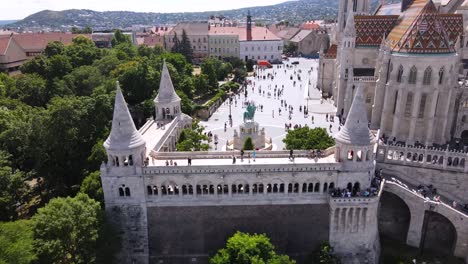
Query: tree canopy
193, 139
16, 242
308, 138
66, 230
243, 248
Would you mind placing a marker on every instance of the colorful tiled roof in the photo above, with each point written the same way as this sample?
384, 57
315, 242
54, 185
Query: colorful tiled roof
424, 32
331, 52
371, 29
38, 41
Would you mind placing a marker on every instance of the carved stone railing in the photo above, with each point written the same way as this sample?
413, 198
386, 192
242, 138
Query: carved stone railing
364, 79
435, 158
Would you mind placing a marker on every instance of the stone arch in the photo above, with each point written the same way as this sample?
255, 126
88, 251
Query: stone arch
394, 217
439, 235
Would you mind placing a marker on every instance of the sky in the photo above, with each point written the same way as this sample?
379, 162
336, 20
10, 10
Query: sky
19, 9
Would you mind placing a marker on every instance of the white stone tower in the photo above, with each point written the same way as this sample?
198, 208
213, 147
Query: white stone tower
122, 183
353, 220
360, 7
345, 59
167, 102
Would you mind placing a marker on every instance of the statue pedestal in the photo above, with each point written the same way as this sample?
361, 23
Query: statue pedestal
250, 129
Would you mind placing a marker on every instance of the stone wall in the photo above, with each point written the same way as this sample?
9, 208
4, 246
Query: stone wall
199, 232
453, 185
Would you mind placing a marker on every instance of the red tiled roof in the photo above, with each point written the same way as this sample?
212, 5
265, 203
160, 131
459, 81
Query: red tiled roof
371, 29
258, 33
310, 25
38, 41
429, 32
331, 52
4, 42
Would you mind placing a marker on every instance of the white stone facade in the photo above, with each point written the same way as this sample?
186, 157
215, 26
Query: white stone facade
269, 50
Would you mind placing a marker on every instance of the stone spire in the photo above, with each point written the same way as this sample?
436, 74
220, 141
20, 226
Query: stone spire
123, 135
350, 29
356, 130
166, 93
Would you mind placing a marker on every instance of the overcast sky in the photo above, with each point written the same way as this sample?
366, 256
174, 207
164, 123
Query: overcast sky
19, 9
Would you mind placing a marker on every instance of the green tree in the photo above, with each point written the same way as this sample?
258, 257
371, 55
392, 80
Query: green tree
138, 80
307, 138
249, 65
66, 230
176, 48
54, 48
37, 65
158, 50
248, 144
324, 255
145, 51
92, 187
32, 90
186, 47
120, 38
290, 48
16, 243
82, 51
209, 67
193, 139
11, 188
243, 248
58, 66
201, 84
83, 80
185, 103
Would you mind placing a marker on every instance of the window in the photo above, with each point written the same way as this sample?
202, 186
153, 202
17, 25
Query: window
412, 76
422, 106
124, 191
409, 103
354, 5
394, 104
390, 69
441, 75
427, 76
400, 74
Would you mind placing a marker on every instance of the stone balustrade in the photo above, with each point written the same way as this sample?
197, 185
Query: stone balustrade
435, 158
364, 79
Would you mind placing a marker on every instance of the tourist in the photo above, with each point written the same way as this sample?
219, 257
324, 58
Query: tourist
291, 156
454, 204
167, 163
242, 155
233, 159
254, 154
171, 162
189, 161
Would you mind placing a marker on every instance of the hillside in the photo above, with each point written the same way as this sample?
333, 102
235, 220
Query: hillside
293, 11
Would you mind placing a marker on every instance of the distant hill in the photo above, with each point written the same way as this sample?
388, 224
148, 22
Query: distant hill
5, 22
293, 11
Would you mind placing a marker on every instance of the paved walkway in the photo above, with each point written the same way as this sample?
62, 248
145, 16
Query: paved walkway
274, 123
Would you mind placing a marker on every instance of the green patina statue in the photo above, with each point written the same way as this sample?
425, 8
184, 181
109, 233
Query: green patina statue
249, 113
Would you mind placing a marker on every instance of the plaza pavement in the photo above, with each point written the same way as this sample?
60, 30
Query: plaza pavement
274, 124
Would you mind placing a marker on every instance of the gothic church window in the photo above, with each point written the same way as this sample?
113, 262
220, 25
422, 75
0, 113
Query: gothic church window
422, 106
354, 5
427, 76
409, 103
412, 76
441, 75
400, 74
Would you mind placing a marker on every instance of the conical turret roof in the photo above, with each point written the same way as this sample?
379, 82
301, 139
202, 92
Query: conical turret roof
123, 135
350, 29
356, 130
166, 93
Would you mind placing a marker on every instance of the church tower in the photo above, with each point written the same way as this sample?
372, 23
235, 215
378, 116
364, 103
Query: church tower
360, 7
353, 219
249, 27
167, 102
345, 72
122, 183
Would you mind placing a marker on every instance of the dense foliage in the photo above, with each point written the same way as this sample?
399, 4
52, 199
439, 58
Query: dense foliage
54, 118
16, 242
248, 144
193, 139
244, 248
66, 230
308, 138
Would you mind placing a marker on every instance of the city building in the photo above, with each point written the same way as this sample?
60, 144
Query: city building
224, 41
197, 33
12, 56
